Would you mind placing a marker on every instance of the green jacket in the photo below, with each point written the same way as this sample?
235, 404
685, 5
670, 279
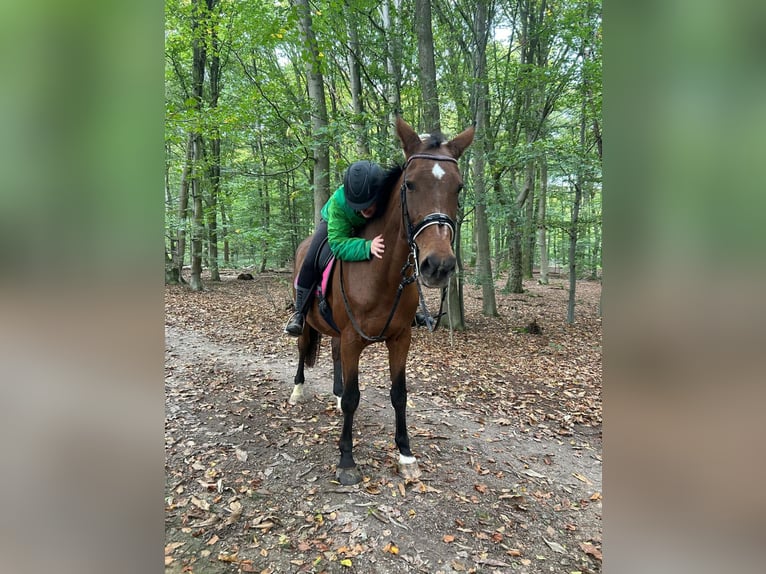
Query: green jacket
342, 222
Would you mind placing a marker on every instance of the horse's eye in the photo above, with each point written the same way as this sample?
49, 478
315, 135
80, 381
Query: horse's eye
410, 185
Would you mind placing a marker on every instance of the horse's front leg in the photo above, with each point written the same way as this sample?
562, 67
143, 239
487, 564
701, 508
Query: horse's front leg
337, 371
347, 473
398, 348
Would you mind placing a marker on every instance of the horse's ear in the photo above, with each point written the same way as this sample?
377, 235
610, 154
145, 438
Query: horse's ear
409, 138
461, 141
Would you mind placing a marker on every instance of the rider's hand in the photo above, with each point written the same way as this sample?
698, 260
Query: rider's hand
377, 247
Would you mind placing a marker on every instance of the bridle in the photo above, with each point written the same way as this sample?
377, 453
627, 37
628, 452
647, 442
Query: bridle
411, 268
432, 218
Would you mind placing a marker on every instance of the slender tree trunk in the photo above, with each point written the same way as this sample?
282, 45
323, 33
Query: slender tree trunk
183, 210
528, 243
427, 66
393, 63
198, 225
214, 169
225, 234
362, 148
542, 235
454, 300
515, 283
315, 83
481, 28
199, 56
578, 200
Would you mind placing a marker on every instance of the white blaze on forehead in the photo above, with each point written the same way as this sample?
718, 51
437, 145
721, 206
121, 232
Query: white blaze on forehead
438, 171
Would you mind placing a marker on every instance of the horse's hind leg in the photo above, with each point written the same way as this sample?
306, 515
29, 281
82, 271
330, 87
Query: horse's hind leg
337, 371
397, 360
304, 348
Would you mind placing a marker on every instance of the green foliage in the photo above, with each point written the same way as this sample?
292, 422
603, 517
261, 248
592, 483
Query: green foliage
262, 115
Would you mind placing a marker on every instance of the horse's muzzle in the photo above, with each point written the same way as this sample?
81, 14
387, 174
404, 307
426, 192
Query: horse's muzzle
435, 270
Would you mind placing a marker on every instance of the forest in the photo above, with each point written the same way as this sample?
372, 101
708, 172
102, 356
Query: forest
268, 102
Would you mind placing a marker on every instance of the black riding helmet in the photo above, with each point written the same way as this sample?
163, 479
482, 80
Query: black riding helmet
361, 184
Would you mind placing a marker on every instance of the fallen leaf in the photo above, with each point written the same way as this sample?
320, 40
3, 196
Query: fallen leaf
581, 477
391, 549
241, 454
223, 557
346, 562
532, 473
169, 548
448, 538
555, 546
513, 552
589, 548
480, 488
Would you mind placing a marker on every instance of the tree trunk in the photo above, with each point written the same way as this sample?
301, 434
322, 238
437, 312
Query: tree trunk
454, 300
357, 120
393, 63
578, 185
183, 209
481, 28
528, 243
542, 236
225, 233
199, 55
214, 169
427, 66
515, 283
198, 226
315, 82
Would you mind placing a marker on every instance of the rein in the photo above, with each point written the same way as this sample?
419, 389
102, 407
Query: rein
412, 258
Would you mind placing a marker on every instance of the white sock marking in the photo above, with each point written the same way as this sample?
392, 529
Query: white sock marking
438, 171
407, 459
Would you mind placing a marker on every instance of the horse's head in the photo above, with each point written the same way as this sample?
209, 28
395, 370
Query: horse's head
430, 191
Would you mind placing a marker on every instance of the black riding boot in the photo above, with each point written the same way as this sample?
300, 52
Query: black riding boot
295, 324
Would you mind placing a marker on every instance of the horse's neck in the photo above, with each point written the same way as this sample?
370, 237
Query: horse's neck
390, 224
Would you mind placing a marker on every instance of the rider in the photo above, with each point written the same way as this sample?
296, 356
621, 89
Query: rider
347, 210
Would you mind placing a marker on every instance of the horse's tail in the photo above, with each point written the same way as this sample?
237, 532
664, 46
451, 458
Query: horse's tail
312, 350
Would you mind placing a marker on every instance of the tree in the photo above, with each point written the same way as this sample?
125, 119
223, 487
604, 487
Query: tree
319, 124
480, 32
426, 66
268, 99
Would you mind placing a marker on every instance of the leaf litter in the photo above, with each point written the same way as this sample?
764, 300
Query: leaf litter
506, 426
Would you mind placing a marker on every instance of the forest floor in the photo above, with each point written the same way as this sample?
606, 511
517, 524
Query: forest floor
506, 426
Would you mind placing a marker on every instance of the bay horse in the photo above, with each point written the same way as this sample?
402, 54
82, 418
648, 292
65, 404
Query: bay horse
376, 300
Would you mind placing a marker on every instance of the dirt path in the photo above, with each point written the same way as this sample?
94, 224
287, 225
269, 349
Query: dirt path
250, 479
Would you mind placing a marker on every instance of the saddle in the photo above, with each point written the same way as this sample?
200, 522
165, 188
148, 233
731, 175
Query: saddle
324, 262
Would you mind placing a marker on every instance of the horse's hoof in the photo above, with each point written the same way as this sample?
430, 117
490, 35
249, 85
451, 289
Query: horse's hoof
298, 395
348, 476
409, 471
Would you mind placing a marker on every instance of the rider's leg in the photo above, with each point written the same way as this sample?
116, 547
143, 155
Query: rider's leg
306, 282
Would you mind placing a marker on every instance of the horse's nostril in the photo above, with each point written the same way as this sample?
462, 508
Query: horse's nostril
437, 267
449, 265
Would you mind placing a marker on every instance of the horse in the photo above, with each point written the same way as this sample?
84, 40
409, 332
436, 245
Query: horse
376, 300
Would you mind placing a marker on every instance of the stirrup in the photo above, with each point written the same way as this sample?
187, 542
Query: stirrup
295, 325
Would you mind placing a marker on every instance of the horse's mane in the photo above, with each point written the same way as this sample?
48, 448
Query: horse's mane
387, 185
